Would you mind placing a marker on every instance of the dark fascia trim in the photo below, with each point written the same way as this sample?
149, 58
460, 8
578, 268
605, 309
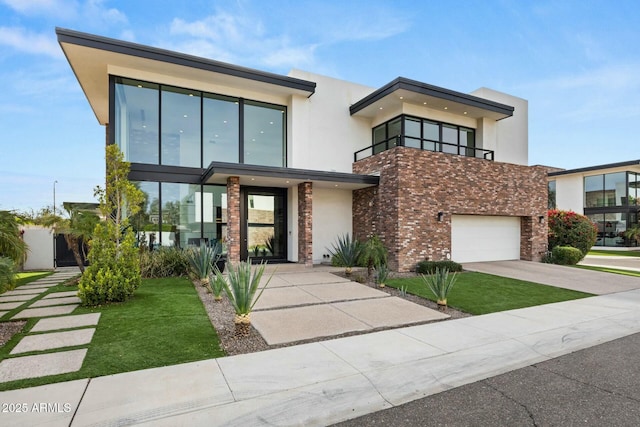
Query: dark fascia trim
430, 90
279, 172
172, 57
595, 168
179, 174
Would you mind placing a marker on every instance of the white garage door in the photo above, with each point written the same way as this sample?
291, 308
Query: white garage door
484, 238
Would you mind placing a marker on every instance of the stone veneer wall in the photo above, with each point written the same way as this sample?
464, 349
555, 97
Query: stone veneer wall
415, 185
305, 223
233, 219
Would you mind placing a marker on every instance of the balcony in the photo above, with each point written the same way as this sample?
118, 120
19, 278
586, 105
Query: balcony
422, 144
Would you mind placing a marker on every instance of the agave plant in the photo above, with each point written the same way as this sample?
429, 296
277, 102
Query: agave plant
382, 274
271, 244
440, 283
345, 253
217, 287
202, 260
241, 287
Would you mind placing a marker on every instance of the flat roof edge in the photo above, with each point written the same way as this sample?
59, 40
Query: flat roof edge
431, 90
595, 168
134, 49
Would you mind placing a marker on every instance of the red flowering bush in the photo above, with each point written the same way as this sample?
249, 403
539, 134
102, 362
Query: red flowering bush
567, 228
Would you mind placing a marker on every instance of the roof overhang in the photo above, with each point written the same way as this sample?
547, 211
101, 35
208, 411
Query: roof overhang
269, 176
632, 165
402, 91
91, 57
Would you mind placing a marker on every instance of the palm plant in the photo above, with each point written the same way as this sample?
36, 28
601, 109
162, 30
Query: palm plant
241, 287
372, 253
345, 253
11, 244
440, 283
633, 233
7, 274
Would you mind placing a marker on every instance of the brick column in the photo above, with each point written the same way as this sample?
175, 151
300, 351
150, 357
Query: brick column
305, 224
233, 219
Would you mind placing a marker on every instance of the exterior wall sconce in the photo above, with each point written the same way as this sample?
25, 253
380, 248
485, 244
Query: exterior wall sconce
440, 215
541, 219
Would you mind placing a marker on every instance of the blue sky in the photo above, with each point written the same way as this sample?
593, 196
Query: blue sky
576, 62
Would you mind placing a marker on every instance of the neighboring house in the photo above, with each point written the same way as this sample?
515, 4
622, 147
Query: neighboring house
606, 194
286, 164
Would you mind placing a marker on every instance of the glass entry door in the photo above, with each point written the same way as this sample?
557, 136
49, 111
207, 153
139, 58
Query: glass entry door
263, 224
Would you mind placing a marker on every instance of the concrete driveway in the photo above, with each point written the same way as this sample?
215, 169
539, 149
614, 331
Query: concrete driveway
593, 282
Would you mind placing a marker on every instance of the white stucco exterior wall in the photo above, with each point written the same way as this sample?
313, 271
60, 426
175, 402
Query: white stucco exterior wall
331, 218
40, 243
322, 133
509, 137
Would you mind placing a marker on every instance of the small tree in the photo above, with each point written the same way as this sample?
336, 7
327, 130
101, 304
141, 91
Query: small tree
567, 228
114, 266
372, 253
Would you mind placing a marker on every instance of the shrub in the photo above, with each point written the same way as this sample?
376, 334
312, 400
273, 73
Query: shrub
345, 253
567, 228
566, 255
430, 267
166, 261
202, 261
7, 274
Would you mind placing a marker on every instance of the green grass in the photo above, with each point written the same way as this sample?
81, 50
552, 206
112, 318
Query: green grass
611, 270
31, 276
604, 252
164, 324
479, 293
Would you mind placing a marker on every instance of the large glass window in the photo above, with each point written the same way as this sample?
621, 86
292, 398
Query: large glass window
146, 223
412, 136
220, 128
552, 195
634, 193
264, 142
593, 191
136, 120
214, 215
180, 227
180, 127
615, 189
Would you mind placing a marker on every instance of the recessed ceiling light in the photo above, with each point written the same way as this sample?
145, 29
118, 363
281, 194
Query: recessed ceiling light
402, 97
465, 112
336, 185
446, 108
381, 108
270, 123
144, 126
190, 94
180, 130
287, 182
424, 103
139, 85
253, 179
261, 131
224, 121
185, 116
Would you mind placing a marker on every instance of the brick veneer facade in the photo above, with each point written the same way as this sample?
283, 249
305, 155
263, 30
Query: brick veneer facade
415, 185
305, 223
233, 219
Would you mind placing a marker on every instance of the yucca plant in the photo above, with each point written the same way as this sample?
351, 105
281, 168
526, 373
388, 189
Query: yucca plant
217, 287
440, 283
202, 261
382, 274
345, 253
241, 287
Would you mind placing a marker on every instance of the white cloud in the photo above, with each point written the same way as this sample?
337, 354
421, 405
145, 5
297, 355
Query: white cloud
52, 8
28, 42
97, 13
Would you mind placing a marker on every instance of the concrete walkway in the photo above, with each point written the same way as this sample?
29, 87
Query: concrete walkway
593, 282
621, 262
327, 382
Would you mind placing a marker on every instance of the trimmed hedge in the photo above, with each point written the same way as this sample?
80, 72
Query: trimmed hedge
429, 267
565, 255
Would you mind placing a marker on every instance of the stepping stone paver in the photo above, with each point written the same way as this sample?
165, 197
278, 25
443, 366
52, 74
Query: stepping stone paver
41, 365
10, 305
52, 340
2, 313
40, 286
55, 301
61, 294
24, 292
45, 311
66, 322
11, 298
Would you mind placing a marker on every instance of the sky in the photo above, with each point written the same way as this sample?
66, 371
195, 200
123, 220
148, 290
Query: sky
576, 62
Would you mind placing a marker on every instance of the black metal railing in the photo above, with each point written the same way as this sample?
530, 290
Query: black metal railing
423, 144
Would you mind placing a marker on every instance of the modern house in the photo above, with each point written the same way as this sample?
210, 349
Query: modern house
278, 167
606, 194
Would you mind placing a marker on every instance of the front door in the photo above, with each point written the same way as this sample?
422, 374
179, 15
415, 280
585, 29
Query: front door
263, 226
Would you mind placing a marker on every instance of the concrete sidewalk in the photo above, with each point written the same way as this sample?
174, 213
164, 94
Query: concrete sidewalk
331, 381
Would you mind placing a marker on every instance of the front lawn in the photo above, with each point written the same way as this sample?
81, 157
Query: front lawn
479, 293
164, 324
31, 276
611, 270
604, 252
